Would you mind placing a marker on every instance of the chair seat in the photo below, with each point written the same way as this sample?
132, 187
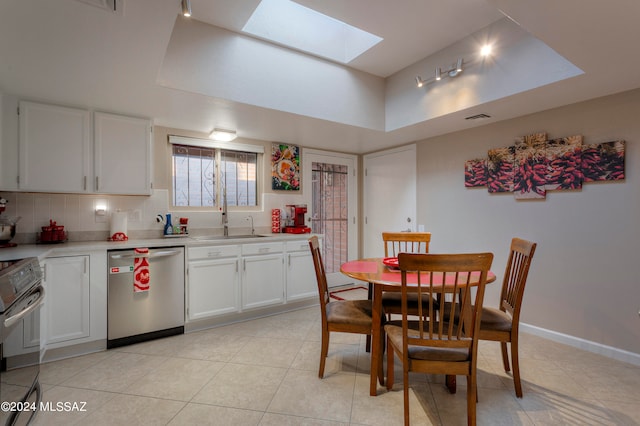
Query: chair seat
350, 312
425, 353
495, 320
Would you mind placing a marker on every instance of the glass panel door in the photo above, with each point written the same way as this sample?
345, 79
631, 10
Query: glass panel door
332, 204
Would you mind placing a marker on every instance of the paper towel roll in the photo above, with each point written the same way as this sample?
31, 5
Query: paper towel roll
119, 226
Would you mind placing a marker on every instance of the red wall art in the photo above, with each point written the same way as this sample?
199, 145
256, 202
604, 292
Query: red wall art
535, 165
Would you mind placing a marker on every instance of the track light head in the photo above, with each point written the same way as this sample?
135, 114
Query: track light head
438, 75
186, 8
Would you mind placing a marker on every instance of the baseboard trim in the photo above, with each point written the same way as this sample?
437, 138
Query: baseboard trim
587, 345
232, 318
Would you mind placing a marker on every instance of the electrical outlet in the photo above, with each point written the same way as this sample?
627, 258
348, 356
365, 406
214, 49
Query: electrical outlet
134, 215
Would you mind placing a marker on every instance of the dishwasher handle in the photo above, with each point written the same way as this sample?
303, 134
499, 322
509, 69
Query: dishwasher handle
153, 255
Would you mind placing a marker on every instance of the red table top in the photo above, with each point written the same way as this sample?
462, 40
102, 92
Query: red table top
374, 271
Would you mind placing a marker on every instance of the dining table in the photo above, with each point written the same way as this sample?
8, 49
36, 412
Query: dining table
382, 277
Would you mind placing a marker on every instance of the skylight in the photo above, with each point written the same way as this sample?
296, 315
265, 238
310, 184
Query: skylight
290, 24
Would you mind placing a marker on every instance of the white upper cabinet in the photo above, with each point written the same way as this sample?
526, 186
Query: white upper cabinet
57, 153
54, 148
122, 154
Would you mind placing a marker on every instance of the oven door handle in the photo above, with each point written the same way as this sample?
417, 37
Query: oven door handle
152, 255
9, 322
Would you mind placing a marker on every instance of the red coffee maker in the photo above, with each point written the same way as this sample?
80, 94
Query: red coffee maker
295, 220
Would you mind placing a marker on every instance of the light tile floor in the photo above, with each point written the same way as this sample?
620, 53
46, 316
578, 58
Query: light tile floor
264, 372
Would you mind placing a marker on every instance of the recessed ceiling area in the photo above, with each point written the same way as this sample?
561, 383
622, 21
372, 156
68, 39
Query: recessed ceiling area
71, 53
219, 63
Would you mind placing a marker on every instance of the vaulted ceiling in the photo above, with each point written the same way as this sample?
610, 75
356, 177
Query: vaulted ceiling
146, 60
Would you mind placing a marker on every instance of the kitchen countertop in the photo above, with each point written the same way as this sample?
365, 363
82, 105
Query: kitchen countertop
42, 251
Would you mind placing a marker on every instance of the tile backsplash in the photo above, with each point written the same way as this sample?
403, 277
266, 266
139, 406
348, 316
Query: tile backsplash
77, 212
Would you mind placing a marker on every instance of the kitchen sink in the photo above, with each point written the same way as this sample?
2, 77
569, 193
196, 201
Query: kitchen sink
228, 237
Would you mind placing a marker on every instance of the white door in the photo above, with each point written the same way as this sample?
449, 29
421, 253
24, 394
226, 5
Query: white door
389, 196
331, 195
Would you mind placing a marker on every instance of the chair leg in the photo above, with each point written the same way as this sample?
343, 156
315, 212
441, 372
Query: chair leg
516, 366
505, 357
390, 353
323, 352
368, 344
471, 399
405, 379
383, 339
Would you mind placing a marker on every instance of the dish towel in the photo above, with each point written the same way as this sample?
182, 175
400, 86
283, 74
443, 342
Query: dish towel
141, 271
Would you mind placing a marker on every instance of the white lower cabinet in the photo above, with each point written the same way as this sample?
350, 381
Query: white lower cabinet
67, 299
228, 279
301, 274
262, 280
214, 281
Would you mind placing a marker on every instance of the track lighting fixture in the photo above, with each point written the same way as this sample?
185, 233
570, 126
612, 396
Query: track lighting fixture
452, 71
186, 8
455, 69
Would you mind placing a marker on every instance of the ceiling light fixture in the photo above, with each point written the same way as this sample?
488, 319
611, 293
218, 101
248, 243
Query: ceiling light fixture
486, 50
223, 135
186, 8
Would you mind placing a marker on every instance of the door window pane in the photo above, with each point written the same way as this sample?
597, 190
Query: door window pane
330, 207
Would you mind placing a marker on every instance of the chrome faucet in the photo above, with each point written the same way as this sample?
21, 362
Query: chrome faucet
225, 218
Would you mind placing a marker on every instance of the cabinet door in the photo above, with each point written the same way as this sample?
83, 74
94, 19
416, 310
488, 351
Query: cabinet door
67, 299
213, 288
301, 276
122, 154
54, 148
262, 280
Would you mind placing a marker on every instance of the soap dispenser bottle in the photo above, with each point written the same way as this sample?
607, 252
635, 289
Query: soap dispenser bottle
168, 227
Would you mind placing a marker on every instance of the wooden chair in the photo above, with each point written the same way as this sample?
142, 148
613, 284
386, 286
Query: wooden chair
502, 324
432, 343
403, 242
347, 316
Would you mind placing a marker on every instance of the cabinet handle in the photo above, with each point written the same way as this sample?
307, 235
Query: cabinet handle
84, 183
214, 253
263, 250
85, 265
289, 260
97, 183
237, 265
244, 264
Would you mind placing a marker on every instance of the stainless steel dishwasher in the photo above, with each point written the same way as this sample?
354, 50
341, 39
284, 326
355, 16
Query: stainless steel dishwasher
134, 317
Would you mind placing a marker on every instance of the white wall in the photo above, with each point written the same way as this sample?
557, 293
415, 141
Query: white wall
269, 76
514, 68
583, 281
